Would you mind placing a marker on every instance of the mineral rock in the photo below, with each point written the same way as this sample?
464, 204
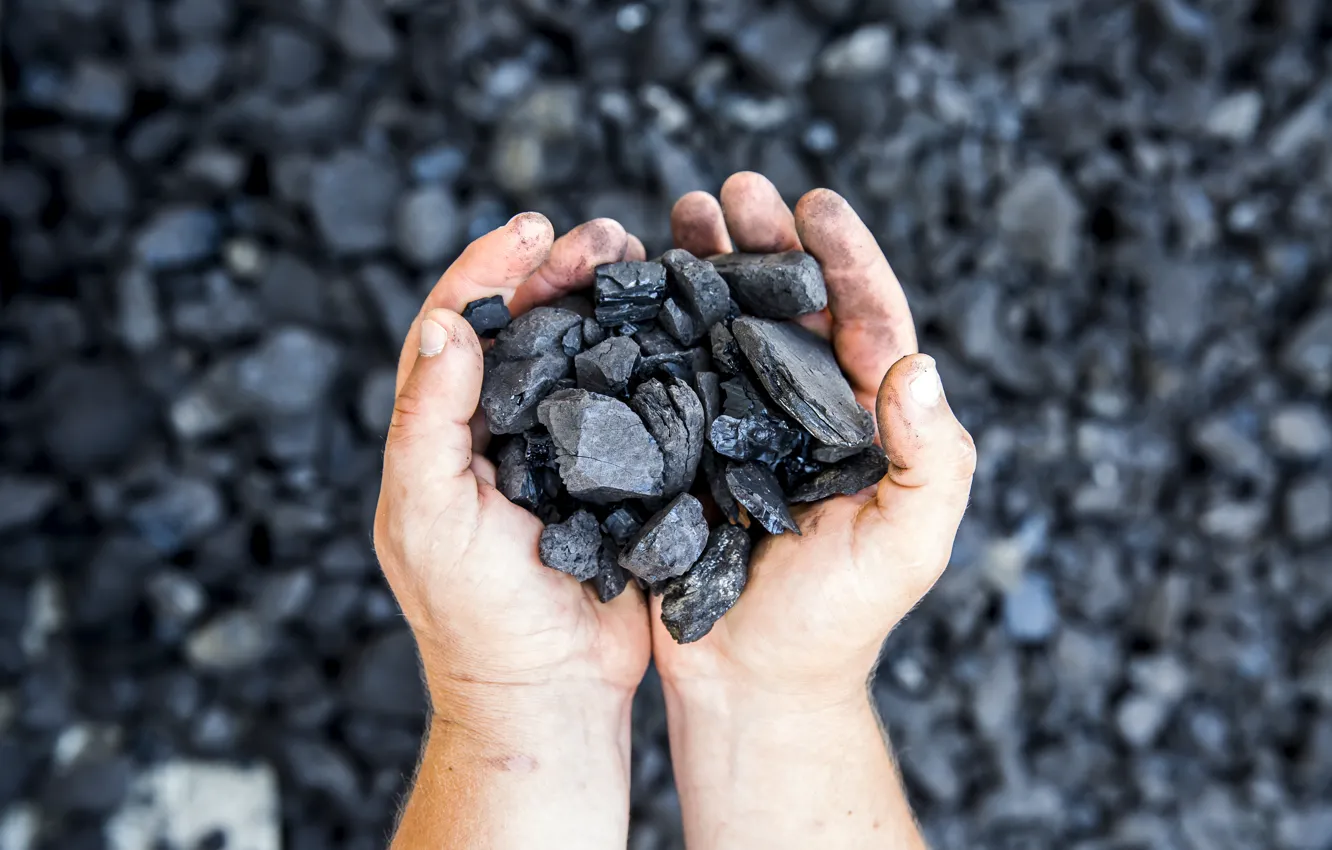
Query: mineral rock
714, 469
694, 602
774, 286
674, 417
515, 478
539, 448
801, 374
607, 367
629, 291
611, 578
832, 454
756, 488
621, 525
511, 391
677, 322
758, 438
708, 387
487, 316
603, 450
849, 476
697, 288
725, 353
593, 333
669, 543
674, 364
653, 341
540, 331
573, 546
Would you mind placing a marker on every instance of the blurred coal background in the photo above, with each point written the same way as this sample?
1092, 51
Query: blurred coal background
1111, 218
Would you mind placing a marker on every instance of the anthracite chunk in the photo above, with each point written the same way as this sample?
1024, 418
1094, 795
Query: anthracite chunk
832, 454
487, 316
629, 291
538, 332
669, 543
693, 603
611, 578
708, 387
725, 353
653, 340
756, 489
515, 478
774, 286
850, 476
572, 546
511, 391
621, 524
760, 438
714, 469
697, 288
674, 417
603, 450
677, 322
801, 375
593, 333
607, 367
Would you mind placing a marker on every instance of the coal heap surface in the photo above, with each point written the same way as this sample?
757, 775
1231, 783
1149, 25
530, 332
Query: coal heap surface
220, 218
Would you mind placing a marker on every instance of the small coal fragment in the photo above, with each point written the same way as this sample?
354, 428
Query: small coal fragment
621, 525
539, 448
487, 316
593, 333
708, 387
743, 399
540, 331
572, 341
697, 288
677, 322
514, 478
629, 291
694, 602
714, 469
758, 438
675, 364
654, 340
510, 392
833, 454
611, 578
607, 367
669, 543
756, 489
603, 450
674, 417
725, 353
573, 546
850, 476
774, 286
801, 374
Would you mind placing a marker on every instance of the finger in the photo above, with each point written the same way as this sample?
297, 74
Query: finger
495, 264
572, 260
757, 218
871, 323
634, 249
698, 226
430, 433
914, 516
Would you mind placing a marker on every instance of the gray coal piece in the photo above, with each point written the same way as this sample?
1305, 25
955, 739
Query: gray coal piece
538, 332
669, 543
622, 524
714, 470
573, 546
487, 316
677, 322
603, 450
611, 578
756, 489
801, 375
708, 387
844, 478
511, 391
629, 291
697, 288
725, 353
674, 417
693, 603
774, 286
607, 367
762, 438
515, 478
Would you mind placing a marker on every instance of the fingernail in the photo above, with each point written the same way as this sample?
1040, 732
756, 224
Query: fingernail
925, 388
433, 338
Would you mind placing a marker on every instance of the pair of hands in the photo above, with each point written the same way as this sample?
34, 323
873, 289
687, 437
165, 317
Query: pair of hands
496, 628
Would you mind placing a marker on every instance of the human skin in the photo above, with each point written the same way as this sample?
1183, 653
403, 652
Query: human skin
774, 738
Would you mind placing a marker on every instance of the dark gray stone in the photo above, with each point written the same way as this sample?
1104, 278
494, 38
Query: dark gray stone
289, 372
177, 514
96, 91
536, 333
603, 450
25, 499
230, 641
1309, 508
761, 438
779, 47
801, 375
288, 58
622, 524
725, 353
1030, 614
607, 367
708, 387
427, 226
844, 478
364, 31
714, 470
178, 236
693, 603
352, 197
774, 286
677, 322
611, 579
573, 546
385, 679
1307, 353
593, 333
674, 417
487, 316
756, 489
92, 415
697, 288
669, 543
512, 390
629, 291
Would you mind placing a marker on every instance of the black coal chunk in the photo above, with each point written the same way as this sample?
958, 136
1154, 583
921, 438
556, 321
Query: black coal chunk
693, 603
515, 477
607, 367
674, 417
629, 291
538, 332
801, 375
511, 391
622, 524
697, 288
572, 546
774, 286
849, 476
603, 450
708, 387
756, 489
832, 454
725, 353
593, 333
674, 364
539, 448
669, 543
611, 578
487, 316
714, 469
758, 438
654, 340
677, 322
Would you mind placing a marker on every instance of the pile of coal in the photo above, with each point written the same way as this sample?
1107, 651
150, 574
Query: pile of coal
661, 426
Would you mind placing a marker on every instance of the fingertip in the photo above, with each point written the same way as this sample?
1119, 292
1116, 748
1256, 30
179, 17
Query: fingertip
756, 216
698, 226
571, 261
530, 236
634, 249
820, 212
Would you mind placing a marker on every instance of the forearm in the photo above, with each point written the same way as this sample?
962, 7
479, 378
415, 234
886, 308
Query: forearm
522, 770
784, 770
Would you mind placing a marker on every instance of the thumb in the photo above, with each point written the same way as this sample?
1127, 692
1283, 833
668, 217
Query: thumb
429, 432
912, 520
